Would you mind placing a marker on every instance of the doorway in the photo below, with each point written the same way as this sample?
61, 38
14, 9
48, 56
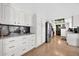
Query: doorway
58, 30
46, 30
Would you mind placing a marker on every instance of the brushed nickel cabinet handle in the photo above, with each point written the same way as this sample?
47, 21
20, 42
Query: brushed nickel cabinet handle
12, 47
11, 40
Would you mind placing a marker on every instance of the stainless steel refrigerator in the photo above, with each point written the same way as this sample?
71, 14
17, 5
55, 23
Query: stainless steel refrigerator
48, 31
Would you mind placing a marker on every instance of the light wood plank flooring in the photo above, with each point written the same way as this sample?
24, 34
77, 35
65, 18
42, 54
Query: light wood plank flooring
57, 47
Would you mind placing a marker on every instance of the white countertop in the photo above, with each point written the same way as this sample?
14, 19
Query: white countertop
15, 35
68, 32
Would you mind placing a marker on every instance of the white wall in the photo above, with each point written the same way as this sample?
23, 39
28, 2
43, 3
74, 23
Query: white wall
75, 20
51, 10
68, 21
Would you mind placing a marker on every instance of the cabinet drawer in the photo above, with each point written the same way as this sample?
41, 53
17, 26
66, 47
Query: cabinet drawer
24, 50
9, 41
10, 50
24, 39
32, 35
11, 53
9, 47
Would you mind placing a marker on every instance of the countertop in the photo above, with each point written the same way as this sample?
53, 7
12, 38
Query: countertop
15, 35
71, 32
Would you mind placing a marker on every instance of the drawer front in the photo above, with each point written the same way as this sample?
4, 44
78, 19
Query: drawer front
24, 39
10, 49
9, 41
11, 53
24, 47
24, 50
32, 35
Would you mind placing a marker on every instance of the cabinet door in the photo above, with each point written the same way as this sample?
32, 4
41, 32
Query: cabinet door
28, 19
16, 17
43, 30
6, 14
21, 18
18, 45
31, 42
9, 46
22, 46
10, 49
13, 17
38, 33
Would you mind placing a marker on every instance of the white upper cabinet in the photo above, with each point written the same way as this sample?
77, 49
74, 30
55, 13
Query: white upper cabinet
5, 14
18, 17
8, 15
28, 19
14, 16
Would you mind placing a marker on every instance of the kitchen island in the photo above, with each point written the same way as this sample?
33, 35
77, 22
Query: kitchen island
72, 38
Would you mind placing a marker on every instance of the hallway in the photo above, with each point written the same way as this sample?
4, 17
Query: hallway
57, 47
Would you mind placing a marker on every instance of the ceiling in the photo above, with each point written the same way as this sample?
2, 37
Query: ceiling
50, 10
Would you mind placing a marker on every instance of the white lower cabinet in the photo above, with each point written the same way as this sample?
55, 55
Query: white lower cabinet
10, 50
63, 32
9, 46
18, 45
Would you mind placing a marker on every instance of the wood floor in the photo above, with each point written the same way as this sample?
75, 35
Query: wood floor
57, 47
